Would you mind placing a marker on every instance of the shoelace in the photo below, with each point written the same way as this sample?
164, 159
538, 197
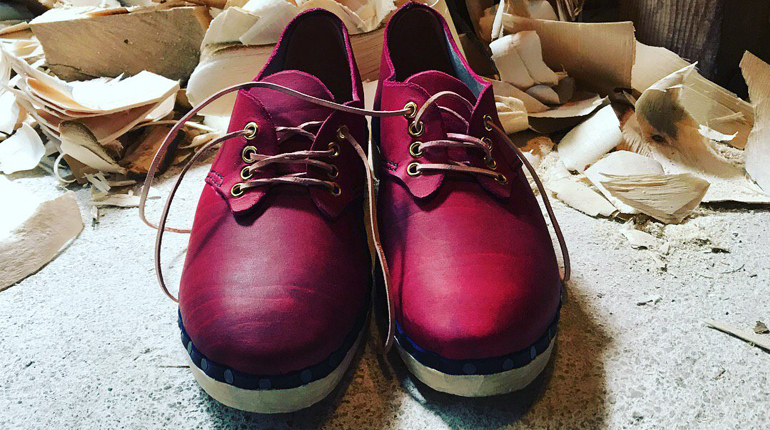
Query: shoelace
257, 161
454, 140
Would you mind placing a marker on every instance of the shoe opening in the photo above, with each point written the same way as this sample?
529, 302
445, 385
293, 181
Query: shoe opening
316, 45
417, 42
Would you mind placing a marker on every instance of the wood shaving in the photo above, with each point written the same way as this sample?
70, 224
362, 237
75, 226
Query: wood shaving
664, 130
708, 103
33, 232
746, 335
22, 151
757, 75
761, 328
667, 198
621, 163
592, 139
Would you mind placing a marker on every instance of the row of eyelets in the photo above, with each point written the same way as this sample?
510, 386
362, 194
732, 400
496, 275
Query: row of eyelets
491, 163
342, 132
247, 154
246, 174
415, 129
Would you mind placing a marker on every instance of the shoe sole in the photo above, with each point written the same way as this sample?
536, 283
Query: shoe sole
275, 401
478, 385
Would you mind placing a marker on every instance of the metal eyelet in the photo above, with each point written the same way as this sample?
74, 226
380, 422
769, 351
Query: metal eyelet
488, 123
412, 106
415, 151
252, 128
336, 190
236, 190
488, 141
492, 164
334, 172
246, 174
247, 152
412, 169
416, 129
342, 132
334, 148
501, 179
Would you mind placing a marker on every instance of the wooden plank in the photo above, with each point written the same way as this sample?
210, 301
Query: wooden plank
166, 42
691, 28
745, 27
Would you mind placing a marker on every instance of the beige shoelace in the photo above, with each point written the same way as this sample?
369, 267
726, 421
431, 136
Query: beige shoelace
454, 140
316, 158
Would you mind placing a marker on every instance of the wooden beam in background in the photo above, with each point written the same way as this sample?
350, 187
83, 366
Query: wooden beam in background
691, 28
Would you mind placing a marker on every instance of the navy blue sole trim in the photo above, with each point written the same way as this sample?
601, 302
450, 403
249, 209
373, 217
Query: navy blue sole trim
295, 379
483, 366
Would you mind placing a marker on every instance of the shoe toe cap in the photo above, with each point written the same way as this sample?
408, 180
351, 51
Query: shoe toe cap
257, 298
273, 331
502, 308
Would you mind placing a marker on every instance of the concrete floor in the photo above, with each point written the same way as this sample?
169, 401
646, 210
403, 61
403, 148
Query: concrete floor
91, 342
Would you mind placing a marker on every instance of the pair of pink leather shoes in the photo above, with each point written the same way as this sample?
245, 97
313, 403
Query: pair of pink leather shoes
276, 289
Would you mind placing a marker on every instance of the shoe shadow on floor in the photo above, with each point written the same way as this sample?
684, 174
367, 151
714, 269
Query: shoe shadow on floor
570, 393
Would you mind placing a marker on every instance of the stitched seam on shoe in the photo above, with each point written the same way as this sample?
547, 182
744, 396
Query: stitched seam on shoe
214, 179
390, 165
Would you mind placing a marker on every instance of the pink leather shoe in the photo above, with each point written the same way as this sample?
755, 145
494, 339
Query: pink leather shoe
275, 289
474, 281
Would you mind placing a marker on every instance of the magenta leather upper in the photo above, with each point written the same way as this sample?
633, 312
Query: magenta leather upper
473, 270
274, 279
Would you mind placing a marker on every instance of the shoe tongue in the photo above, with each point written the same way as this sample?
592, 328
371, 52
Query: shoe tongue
289, 111
433, 81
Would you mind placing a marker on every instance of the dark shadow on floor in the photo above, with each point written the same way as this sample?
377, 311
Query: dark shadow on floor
570, 393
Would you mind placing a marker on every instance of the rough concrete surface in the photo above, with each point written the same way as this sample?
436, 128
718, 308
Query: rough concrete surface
91, 342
